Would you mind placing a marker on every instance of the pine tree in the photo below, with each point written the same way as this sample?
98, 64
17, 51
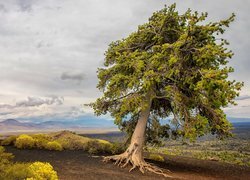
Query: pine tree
174, 65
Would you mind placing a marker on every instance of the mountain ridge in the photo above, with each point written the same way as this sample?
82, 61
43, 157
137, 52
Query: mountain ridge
83, 122
13, 124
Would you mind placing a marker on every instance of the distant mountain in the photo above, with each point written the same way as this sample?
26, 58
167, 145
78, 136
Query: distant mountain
90, 122
82, 122
12, 125
236, 120
11, 122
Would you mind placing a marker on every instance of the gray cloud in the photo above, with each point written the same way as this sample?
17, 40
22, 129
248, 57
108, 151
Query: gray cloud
42, 44
2, 8
73, 76
6, 106
35, 102
5, 113
244, 97
25, 5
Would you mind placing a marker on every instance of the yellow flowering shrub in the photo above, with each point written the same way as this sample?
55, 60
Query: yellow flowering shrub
63, 140
54, 145
22, 171
41, 171
15, 171
24, 141
5, 159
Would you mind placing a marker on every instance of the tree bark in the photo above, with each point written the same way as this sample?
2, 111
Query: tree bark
138, 137
134, 153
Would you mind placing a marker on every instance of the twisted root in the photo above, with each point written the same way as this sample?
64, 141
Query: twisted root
135, 160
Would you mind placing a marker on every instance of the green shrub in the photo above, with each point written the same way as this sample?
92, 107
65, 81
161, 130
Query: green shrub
4, 156
17, 171
25, 141
105, 147
224, 156
41, 140
5, 159
9, 141
156, 157
41, 171
71, 144
95, 147
117, 148
54, 145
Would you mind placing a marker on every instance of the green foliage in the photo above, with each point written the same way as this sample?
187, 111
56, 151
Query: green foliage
9, 141
5, 159
54, 145
178, 61
95, 147
41, 140
156, 157
4, 156
225, 156
117, 148
156, 133
16, 171
25, 142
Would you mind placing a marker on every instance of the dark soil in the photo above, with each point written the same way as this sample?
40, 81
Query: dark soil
78, 165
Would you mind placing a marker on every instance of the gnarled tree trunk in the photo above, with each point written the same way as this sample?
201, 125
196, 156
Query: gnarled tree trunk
134, 153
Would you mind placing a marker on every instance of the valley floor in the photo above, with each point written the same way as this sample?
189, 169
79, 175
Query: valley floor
77, 165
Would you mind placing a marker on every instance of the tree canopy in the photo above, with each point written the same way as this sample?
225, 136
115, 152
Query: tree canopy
183, 62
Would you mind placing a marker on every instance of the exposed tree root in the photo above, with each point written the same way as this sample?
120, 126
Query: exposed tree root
135, 159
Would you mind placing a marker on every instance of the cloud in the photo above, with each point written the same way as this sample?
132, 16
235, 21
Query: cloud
76, 111
244, 97
5, 113
73, 76
35, 102
6, 106
2, 8
25, 5
52, 47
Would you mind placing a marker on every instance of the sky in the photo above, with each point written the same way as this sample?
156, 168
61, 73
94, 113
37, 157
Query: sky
50, 51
